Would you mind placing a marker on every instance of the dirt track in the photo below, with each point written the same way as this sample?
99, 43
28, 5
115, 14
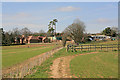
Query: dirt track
60, 67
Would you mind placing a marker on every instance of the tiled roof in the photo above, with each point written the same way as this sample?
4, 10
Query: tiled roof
34, 37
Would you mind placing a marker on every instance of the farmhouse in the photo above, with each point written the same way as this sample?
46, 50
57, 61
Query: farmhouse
30, 39
99, 37
52, 38
34, 39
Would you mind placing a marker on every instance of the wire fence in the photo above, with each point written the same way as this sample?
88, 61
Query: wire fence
21, 71
101, 47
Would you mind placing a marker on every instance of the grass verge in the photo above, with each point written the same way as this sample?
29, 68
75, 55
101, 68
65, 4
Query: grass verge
44, 69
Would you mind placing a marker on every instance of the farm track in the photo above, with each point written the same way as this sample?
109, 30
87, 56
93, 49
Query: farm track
61, 68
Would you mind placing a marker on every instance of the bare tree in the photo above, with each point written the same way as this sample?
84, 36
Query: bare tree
115, 29
25, 31
75, 31
41, 31
16, 32
64, 38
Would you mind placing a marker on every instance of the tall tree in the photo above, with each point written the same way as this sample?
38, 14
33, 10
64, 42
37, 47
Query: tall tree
54, 23
107, 31
2, 35
16, 32
7, 38
110, 31
12, 38
25, 31
75, 31
52, 26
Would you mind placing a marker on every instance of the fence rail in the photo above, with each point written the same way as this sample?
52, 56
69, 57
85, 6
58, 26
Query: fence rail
74, 48
22, 70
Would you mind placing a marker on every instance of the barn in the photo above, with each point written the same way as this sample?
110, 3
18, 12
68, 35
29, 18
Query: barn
34, 39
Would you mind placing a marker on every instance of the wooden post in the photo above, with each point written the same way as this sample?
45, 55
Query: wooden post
112, 47
95, 47
67, 48
81, 47
101, 47
107, 47
90, 47
75, 48
72, 48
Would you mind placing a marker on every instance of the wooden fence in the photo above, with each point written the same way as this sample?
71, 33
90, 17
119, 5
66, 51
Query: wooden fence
101, 47
28, 67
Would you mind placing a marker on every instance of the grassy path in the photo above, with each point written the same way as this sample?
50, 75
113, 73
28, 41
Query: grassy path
44, 71
78, 65
61, 68
88, 65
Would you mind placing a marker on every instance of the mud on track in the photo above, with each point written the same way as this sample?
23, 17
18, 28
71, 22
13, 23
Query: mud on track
60, 67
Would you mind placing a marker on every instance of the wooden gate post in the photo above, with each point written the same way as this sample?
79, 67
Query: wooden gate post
112, 47
95, 47
67, 48
90, 47
106, 47
101, 47
72, 48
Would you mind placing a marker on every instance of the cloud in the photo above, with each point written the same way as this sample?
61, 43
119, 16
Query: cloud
22, 14
32, 27
16, 16
106, 21
103, 20
20, 18
68, 9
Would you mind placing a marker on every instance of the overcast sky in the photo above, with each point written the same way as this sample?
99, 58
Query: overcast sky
37, 15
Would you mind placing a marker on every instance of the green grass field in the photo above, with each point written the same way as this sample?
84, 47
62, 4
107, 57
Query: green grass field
100, 65
98, 42
44, 69
103, 42
12, 55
